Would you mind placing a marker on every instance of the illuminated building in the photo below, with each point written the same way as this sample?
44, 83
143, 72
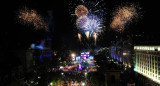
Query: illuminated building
147, 62
122, 52
116, 53
85, 55
84, 62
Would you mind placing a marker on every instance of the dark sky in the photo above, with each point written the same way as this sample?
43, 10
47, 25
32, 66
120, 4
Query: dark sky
17, 36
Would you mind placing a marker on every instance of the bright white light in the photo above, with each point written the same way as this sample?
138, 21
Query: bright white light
87, 34
83, 84
82, 53
62, 73
73, 55
124, 53
85, 73
158, 48
87, 52
61, 67
151, 48
51, 83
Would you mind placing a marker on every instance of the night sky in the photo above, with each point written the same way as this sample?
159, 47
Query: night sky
16, 36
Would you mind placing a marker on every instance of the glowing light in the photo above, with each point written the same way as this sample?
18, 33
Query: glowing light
91, 57
85, 73
87, 52
55, 54
33, 46
73, 55
79, 36
158, 48
51, 83
80, 68
61, 67
83, 84
95, 37
77, 58
40, 47
62, 73
150, 48
124, 53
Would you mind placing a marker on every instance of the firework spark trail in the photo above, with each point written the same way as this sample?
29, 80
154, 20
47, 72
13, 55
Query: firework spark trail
82, 1
122, 16
31, 17
87, 34
96, 3
79, 37
95, 37
96, 11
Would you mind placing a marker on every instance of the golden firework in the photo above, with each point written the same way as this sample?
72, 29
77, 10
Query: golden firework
31, 17
81, 10
122, 16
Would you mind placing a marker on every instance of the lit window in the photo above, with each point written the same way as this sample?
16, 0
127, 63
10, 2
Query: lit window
158, 48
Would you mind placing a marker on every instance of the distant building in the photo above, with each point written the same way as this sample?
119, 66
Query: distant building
112, 78
28, 61
147, 62
122, 51
116, 53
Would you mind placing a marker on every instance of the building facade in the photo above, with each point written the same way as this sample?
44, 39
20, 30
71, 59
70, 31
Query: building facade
117, 53
122, 51
147, 62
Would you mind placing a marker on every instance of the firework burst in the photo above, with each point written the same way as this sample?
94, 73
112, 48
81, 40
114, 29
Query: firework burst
84, 7
27, 16
89, 16
123, 16
95, 37
82, 22
81, 11
94, 24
